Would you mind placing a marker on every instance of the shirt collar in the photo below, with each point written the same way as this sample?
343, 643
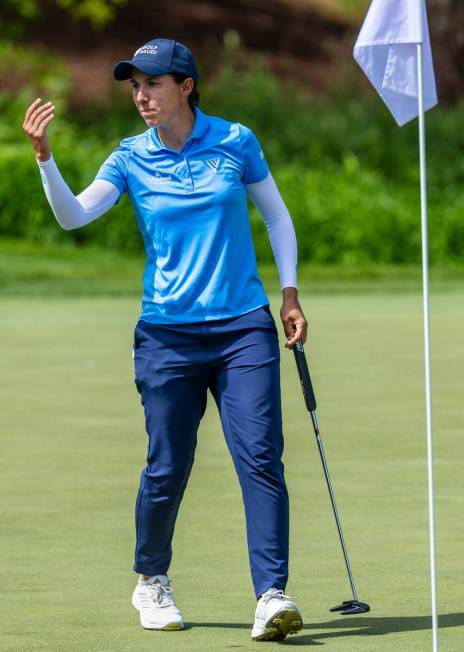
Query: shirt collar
200, 127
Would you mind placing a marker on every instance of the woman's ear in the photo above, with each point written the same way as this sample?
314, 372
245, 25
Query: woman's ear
187, 86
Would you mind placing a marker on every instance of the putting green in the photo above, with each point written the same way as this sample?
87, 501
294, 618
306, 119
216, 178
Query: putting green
73, 445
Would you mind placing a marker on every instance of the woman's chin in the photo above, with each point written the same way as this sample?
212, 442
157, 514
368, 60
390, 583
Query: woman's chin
150, 120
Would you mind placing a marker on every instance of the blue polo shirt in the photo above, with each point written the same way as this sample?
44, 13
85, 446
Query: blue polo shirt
191, 209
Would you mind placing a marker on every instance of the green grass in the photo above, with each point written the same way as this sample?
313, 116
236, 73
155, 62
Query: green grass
73, 444
32, 269
28, 268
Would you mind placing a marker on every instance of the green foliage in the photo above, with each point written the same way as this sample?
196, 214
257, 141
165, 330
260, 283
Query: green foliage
23, 8
97, 12
38, 70
348, 174
348, 9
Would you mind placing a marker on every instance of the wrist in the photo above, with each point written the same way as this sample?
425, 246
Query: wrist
43, 156
290, 293
42, 151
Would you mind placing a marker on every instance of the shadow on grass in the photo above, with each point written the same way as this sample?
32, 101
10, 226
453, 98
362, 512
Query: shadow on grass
363, 626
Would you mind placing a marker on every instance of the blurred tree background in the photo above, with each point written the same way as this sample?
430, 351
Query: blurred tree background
348, 174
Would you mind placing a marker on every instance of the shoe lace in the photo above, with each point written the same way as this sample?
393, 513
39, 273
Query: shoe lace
161, 594
272, 594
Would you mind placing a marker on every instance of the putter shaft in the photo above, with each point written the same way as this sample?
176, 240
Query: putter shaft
350, 606
332, 499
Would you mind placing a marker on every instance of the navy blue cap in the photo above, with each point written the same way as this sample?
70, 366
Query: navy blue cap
159, 57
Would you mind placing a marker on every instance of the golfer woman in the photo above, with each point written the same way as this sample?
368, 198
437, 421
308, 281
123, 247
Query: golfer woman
205, 321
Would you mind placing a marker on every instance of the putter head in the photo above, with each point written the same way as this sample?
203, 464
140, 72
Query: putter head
350, 607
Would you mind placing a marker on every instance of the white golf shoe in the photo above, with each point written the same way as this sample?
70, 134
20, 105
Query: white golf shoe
154, 601
275, 617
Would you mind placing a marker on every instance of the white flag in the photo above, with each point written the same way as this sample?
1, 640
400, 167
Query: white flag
386, 50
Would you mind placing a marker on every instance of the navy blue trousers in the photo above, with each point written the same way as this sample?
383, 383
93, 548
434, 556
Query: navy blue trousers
238, 360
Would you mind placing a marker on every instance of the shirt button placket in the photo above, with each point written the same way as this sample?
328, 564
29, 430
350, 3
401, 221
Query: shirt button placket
187, 177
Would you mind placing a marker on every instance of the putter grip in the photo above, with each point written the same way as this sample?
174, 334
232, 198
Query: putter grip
305, 378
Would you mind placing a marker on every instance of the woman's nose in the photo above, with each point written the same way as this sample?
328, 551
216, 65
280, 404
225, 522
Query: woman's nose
141, 97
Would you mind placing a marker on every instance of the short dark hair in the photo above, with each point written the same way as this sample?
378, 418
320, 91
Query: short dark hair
194, 97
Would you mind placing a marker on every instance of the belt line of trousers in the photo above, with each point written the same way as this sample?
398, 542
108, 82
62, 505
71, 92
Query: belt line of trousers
238, 360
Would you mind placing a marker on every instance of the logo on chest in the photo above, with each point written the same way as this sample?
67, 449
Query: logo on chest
213, 163
158, 178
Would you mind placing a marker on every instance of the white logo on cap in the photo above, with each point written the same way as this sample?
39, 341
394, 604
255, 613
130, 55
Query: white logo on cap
147, 49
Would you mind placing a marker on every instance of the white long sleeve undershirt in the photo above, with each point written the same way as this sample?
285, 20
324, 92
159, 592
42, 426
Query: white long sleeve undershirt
72, 212
267, 199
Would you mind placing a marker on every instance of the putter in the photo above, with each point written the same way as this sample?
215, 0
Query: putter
353, 606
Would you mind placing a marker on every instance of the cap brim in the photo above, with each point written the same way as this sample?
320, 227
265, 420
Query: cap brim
123, 69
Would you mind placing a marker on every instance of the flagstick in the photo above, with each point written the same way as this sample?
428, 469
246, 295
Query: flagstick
428, 375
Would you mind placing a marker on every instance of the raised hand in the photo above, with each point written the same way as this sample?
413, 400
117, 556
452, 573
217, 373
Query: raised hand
38, 117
